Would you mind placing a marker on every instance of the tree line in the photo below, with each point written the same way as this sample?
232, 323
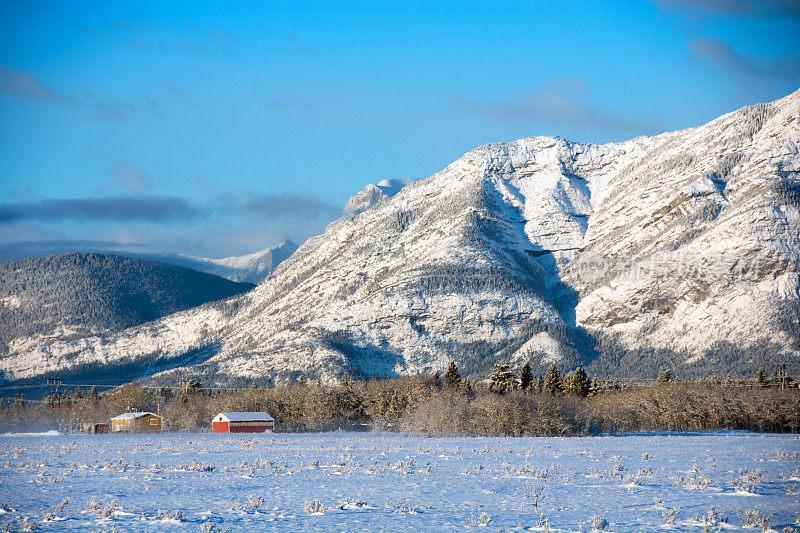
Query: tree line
445, 404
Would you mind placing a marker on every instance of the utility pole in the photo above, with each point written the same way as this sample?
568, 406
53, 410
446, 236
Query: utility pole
782, 375
55, 392
184, 381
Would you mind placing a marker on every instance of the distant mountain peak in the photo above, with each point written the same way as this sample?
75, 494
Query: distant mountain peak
374, 193
251, 268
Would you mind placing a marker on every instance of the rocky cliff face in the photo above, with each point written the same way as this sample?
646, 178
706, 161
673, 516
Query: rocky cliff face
676, 248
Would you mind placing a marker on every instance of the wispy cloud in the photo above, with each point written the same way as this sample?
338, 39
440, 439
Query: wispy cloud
301, 45
743, 67
758, 8
223, 40
25, 86
290, 205
223, 226
119, 209
130, 176
143, 33
110, 111
560, 103
176, 94
166, 208
32, 248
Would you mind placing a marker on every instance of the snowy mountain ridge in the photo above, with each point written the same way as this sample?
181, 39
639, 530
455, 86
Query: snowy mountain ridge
374, 193
251, 268
674, 251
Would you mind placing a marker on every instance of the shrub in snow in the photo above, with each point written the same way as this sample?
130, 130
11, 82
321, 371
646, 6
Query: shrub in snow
347, 503
670, 515
715, 518
237, 506
544, 523
314, 507
403, 507
61, 506
197, 466
28, 524
694, 482
209, 527
712, 519
94, 505
176, 515
599, 523
482, 520
108, 510
755, 518
256, 502
594, 473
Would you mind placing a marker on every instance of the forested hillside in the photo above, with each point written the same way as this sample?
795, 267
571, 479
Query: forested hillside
85, 291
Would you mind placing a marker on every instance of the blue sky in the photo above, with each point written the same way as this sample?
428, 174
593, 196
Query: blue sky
220, 128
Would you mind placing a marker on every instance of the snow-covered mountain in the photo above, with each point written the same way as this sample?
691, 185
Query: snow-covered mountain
372, 194
675, 251
250, 268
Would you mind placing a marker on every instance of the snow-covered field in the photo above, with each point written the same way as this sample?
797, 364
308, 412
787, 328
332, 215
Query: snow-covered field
366, 481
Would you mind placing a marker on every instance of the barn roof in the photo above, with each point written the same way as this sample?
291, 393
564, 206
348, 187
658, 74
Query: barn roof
135, 415
245, 417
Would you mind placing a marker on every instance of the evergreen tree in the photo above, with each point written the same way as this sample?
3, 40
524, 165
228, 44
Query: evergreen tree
436, 380
352, 404
526, 377
578, 383
502, 380
452, 379
164, 393
553, 381
190, 389
761, 377
665, 377
595, 387
395, 407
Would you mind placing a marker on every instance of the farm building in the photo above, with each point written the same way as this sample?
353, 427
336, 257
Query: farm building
95, 427
137, 422
243, 423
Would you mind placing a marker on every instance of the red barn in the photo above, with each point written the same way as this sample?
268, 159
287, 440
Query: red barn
243, 423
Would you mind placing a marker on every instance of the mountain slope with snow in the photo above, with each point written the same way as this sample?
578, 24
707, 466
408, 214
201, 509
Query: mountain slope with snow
676, 251
250, 268
374, 193
72, 296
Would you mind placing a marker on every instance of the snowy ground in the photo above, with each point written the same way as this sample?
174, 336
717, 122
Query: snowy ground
383, 481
